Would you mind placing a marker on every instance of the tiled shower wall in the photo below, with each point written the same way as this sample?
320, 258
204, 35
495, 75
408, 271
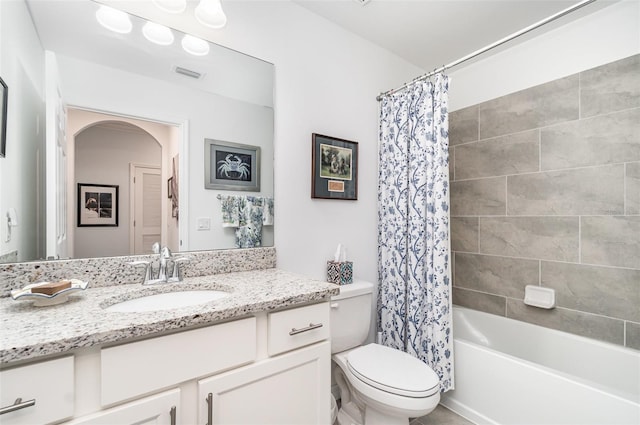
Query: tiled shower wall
545, 190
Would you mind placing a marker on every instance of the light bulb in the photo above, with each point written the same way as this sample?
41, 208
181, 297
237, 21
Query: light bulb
114, 20
209, 13
194, 45
157, 33
171, 6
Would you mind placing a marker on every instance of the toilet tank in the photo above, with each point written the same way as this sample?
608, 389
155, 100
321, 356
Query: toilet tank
351, 315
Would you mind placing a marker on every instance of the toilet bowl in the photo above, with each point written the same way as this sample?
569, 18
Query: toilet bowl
378, 385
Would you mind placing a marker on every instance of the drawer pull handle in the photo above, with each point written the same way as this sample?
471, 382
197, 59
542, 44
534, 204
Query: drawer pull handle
210, 409
19, 404
311, 327
172, 414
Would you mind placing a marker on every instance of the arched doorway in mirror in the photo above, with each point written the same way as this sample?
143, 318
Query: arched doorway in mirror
130, 164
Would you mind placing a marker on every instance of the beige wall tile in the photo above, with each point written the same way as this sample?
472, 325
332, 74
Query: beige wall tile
593, 190
463, 125
496, 275
479, 301
611, 87
613, 292
632, 188
539, 106
464, 234
513, 154
576, 322
548, 238
478, 197
611, 241
605, 139
633, 335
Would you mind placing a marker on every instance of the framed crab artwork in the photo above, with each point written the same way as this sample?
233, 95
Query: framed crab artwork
231, 166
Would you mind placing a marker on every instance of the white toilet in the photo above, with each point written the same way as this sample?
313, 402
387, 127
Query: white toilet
378, 385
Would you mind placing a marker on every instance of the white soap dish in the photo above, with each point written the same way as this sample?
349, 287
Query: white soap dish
539, 296
41, 300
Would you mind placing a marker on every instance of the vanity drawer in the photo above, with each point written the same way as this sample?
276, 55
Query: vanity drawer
297, 327
50, 384
146, 366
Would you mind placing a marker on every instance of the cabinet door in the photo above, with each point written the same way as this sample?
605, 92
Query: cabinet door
45, 390
289, 389
159, 409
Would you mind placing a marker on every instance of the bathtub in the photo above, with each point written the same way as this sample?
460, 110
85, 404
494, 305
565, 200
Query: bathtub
511, 372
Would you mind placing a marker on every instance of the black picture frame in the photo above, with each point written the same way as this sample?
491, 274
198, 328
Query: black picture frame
3, 115
231, 166
98, 205
334, 168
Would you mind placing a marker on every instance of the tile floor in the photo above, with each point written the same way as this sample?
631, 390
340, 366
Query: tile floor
441, 416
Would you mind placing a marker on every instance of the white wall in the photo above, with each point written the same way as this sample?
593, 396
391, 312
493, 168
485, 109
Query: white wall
22, 69
607, 35
326, 82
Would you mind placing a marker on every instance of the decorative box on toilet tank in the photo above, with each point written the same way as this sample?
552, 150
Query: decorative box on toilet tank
340, 272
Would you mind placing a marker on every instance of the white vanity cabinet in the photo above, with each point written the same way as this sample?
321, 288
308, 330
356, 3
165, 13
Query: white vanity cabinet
270, 368
289, 388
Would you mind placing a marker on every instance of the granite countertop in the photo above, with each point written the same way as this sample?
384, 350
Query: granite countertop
28, 332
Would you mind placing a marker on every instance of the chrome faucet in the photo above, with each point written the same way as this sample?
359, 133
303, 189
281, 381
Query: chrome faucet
164, 259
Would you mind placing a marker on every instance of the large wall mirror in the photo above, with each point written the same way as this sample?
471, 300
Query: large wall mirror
91, 110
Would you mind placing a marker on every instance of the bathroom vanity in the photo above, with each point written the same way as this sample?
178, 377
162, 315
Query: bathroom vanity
259, 355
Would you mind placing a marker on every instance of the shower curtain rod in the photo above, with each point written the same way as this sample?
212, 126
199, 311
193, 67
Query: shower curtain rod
490, 46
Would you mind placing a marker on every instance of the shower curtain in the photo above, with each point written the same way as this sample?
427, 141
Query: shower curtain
414, 298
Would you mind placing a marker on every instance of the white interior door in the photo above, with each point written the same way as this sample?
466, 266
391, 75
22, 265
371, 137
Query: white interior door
146, 208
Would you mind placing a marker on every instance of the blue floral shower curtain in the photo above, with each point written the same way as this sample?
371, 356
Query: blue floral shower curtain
414, 300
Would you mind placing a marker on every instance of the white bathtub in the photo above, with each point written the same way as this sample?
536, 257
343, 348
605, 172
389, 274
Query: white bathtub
511, 372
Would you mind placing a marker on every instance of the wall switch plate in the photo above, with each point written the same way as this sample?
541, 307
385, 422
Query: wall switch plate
203, 223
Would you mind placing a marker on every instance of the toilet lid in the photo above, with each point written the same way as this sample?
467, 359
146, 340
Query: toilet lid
393, 371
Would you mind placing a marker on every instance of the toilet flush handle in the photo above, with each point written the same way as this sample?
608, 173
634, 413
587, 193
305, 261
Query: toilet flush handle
335, 305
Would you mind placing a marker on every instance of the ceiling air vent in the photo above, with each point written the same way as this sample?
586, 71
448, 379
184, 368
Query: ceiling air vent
188, 72
362, 2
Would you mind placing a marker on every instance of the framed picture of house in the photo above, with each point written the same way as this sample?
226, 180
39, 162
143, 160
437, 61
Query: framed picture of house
231, 166
334, 168
4, 101
97, 205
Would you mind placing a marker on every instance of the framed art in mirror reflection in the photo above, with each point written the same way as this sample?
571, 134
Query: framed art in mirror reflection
97, 205
231, 166
3, 125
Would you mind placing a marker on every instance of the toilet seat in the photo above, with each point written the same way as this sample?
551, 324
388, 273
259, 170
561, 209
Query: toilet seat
392, 371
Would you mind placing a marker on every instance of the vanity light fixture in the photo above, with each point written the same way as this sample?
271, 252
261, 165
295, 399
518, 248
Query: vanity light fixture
194, 45
157, 33
114, 20
171, 6
210, 14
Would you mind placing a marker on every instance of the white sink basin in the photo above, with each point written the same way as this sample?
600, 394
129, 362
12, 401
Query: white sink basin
167, 301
